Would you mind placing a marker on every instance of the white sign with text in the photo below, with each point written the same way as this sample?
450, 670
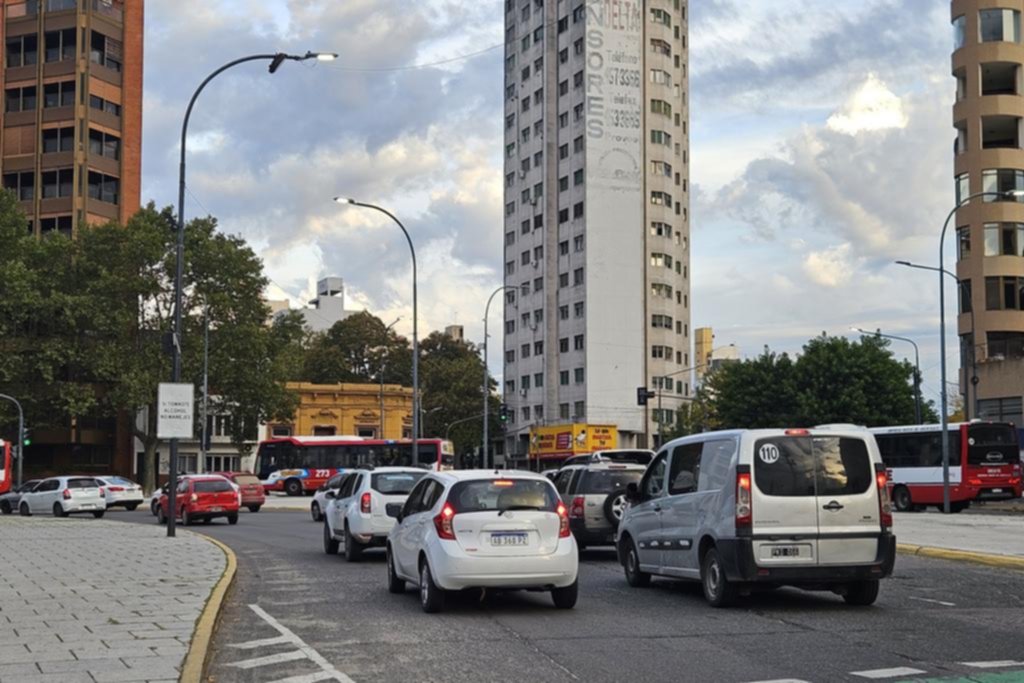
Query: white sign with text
175, 406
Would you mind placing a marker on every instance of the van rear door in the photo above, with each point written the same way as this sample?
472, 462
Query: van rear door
848, 511
785, 514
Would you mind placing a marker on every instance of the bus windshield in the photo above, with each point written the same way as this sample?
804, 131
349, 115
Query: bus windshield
992, 444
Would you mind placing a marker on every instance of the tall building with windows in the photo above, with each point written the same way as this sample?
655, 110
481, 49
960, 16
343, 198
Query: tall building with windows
989, 157
596, 204
72, 116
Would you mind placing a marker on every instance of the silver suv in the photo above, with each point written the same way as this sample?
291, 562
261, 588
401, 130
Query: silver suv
595, 495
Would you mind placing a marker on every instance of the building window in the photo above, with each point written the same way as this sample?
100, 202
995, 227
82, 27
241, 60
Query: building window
58, 140
577, 243
563, 345
577, 277
659, 321
563, 56
959, 32
578, 375
104, 105
578, 409
524, 352
524, 382
20, 99
563, 312
21, 184
660, 137
577, 210
661, 198
563, 378
661, 77
661, 291
963, 241
577, 342
1004, 239
578, 309
510, 356
104, 144
563, 280
1001, 181
661, 168
57, 183
538, 284
1001, 409
1004, 293
563, 152
103, 187
538, 380
60, 45
577, 145
61, 224
563, 411
965, 296
661, 47
510, 326
999, 25
22, 51
660, 16
963, 187
563, 216
563, 183
538, 348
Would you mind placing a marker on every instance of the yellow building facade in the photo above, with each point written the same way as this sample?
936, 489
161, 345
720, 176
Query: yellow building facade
368, 410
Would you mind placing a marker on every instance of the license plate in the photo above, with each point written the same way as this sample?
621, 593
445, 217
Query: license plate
508, 539
216, 509
997, 490
786, 551
88, 507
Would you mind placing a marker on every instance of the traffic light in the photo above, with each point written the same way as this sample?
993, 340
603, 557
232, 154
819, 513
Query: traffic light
503, 414
642, 394
26, 435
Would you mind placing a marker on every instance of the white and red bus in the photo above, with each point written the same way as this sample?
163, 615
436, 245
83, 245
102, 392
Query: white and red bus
6, 467
984, 463
301, 464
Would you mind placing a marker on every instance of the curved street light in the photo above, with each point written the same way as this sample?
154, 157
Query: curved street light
275, 59
917, 365
485, 453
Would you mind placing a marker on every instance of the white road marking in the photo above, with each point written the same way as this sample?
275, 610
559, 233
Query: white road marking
312, 654
783, 680
269, 659
253, 644
878, 674
997, 664
937, 602
306, 678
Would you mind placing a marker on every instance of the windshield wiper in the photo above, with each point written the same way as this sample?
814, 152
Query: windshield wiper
519, 507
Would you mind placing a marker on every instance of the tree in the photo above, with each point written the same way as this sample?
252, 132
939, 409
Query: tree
356, 349
751, 394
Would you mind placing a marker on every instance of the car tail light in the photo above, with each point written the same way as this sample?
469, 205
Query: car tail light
103, 493
443, 522
797, 432
113, 488
974, 482
576, 509
744, 501
884, 503
67, 494
364, 503
563, 521
503, 483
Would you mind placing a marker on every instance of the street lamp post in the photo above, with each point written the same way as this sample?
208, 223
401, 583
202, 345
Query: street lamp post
21, 432
275, 59
917, 366
485, 453
415, 318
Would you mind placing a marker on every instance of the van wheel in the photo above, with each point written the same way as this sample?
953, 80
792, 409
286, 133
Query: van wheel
862, 593
431, 597
718, 590
353, 548
330, 543
901, 499
565, 598
58, 511
631, 563
293, 487
395, 584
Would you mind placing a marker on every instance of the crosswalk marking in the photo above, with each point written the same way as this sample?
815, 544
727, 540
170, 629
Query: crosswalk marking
253, 644
306, 678
878, 674
269, 659
997, 664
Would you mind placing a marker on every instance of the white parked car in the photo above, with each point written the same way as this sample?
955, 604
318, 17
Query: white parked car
320, 500
483, 529
9, 501
357, 513
121, 492
154, 500
63, 496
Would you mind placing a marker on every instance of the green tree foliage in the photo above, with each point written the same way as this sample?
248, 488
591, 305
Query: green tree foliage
358, 349
761, 392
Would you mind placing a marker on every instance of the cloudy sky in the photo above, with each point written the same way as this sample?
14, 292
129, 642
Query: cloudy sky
821, 152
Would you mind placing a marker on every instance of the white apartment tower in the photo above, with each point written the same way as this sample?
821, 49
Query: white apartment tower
596, 214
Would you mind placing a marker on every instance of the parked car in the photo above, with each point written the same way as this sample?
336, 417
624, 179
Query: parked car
636, 456
154, 499
356, 515
320, 501
771, 507
121, 492
481, 529
250, 488
9, 501
63, 496
595, 495
201, 497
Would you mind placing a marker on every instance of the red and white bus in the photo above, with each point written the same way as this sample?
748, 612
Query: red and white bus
6, 467
984, 463
301, 464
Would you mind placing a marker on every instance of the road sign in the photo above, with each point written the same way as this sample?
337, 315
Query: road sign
175, 411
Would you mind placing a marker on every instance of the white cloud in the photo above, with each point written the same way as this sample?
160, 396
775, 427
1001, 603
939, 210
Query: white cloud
830, 267
872, 108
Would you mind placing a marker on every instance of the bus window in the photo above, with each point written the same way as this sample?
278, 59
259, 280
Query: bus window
992, 444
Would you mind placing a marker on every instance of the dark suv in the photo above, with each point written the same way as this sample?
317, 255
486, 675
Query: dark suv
594, 494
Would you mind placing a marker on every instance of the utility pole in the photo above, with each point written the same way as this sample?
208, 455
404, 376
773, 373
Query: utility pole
201, 460
486, 389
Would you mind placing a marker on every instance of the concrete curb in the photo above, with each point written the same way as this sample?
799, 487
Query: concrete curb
988, 559
199, 647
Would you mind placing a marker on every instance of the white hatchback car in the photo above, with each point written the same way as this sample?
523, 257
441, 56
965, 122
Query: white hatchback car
121, 492
356, 512
63, 496
483, 529
320, 500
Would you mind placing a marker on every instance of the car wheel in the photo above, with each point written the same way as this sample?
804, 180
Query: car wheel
718, 590
161, 518
862, 593
98, 514
154, 506
293, 487
233, 518
58, 510
614, 506
254, 508
395, 584
130, 507
5, 507
565, 598
901, 499
431, 597
631, 563
330, 543
353, 548
315, 513
24, 511
186, 519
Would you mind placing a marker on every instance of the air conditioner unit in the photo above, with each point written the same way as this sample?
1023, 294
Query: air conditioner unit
522, 173
536, 264
522, 392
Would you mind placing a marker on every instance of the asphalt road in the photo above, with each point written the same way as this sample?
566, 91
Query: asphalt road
299, 615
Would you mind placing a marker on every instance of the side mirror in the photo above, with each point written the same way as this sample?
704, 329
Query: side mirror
330, 495
394, 510
633, 492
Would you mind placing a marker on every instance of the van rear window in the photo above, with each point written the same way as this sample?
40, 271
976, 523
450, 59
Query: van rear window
609, 481
395, 483
806, 466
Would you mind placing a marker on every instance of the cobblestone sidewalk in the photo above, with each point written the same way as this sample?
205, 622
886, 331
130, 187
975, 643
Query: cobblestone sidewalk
96, 601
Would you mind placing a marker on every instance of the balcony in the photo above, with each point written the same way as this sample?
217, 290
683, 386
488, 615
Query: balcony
1000, 78
60, 5
112, 9
1000, 132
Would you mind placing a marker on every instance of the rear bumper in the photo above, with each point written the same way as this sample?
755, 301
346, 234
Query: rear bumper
999, 493
207, 513
253, 500
740, 565
124, 499
591, 536
457, 570
72, 506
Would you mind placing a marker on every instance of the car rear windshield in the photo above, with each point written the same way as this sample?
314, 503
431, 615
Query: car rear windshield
246, 479
503, 494
211, 486
82, 483
395, 483
608, 481
120, 481
806, 466
992, 445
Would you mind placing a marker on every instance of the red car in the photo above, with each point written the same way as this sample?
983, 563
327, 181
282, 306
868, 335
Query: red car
204, 498
253, 496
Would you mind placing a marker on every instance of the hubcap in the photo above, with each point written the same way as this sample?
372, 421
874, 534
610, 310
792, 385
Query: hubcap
631, 561
618, 505
713, 578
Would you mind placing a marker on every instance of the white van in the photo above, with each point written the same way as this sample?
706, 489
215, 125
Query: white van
769, 507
